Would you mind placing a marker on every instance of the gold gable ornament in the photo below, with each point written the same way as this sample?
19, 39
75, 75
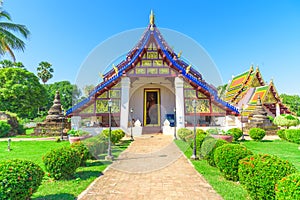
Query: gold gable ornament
187, 70
151, 20
116, 69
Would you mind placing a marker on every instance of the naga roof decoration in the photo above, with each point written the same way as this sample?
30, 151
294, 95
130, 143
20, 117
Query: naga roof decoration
186, 71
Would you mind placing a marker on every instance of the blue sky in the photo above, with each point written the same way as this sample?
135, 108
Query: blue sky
234, 33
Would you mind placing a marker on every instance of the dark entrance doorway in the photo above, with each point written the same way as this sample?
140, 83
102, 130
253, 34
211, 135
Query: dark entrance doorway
152, 107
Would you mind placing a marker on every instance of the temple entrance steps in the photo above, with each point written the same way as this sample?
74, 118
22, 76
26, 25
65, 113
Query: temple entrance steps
151, 129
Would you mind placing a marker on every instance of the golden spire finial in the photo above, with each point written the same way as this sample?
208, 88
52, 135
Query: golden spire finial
151, 18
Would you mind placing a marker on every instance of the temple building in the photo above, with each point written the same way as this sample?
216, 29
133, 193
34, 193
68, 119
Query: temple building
154, 87
245, 89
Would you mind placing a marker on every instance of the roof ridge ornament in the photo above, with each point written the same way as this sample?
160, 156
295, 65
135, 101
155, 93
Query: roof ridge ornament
151, 20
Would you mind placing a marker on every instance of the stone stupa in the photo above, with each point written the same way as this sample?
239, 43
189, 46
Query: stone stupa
55, 113
259, 118
55, 122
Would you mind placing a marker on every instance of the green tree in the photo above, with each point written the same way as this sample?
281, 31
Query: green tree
286, 120
222, 90
87, 89
21, 92
68, 94
9, 41
292, 102
45, 71
8, 63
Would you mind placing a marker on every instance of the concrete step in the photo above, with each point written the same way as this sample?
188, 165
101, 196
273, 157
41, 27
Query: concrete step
151, 129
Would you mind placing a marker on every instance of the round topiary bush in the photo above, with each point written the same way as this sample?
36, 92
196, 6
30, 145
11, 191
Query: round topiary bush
200, 136
96, 145
208, 148
288, 187
293, 135
83, 151
236, 133
213, 131
4, 128
116, 135
227, 159
259, 174
19, 179
62, 162
183, 133
257, 134
281, 134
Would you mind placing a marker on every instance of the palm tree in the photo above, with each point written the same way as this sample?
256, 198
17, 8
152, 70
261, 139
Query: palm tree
9, 41
45, 71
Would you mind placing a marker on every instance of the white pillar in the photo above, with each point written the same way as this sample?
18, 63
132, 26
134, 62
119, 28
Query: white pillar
179, 101
277, 109
125, 85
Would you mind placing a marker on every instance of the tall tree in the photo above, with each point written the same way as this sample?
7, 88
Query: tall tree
87, 89
21, 92
45, 71
68, 94
8, 64
292, 102
8, 40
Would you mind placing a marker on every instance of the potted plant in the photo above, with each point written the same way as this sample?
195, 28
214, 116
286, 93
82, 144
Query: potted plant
220, 134
77, 135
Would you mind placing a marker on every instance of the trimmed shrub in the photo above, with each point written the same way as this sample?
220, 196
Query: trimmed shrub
83, 151
281, 134
293, 135
286, 120
259, 174
200, 136
227, 158
4, 128
62, 162
208, 149
288, 187
257, 134
96, 145
213, 131
116, 135
119, 133
19, 179
184, 133
236, 133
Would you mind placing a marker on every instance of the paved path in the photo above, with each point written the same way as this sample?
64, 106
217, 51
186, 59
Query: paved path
152, 167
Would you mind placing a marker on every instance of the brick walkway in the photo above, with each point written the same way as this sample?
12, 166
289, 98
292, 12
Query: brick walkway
151, 168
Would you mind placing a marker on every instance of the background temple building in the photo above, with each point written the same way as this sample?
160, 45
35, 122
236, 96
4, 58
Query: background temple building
244, 90
155, 84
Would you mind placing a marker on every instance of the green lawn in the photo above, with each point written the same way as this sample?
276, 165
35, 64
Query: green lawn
50, 189
281, 148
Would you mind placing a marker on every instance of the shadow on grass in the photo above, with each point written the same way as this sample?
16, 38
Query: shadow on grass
245, 141
63, 196
84, 175
97, 163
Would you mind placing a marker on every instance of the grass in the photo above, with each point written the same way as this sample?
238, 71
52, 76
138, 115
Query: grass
227, 189
64, 189
281, 148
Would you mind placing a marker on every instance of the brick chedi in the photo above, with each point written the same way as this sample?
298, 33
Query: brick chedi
54, 113
55, 121
259, 116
